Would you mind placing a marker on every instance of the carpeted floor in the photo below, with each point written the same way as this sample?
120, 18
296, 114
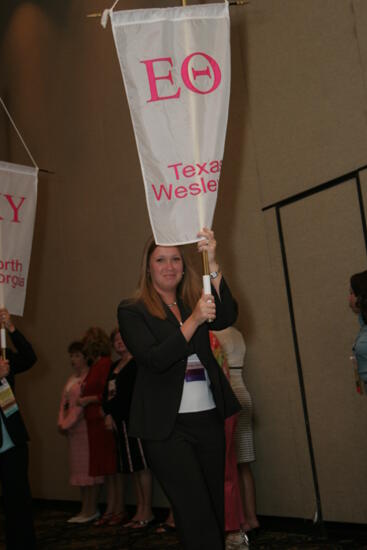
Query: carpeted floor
55, 534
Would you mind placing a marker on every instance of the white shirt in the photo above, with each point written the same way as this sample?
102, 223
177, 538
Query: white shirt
196, 393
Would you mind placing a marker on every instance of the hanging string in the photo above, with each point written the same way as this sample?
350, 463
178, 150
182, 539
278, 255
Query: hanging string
17, 131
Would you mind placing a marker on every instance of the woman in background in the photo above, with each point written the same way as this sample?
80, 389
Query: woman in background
71, 422
234, 347
236, 538
102, 446
358, 304
130, 455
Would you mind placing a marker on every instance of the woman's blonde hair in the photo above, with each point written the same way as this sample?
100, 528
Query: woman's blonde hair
96, 344
188, 290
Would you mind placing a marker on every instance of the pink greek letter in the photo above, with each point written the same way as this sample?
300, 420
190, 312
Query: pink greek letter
152, 78
201, 73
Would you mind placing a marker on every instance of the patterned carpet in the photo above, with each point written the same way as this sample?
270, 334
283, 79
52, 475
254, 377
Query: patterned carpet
55, 534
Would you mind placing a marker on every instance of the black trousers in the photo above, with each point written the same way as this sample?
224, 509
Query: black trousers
190, 467
17, 499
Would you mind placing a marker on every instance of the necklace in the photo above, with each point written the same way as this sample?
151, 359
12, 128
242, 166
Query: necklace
171, 305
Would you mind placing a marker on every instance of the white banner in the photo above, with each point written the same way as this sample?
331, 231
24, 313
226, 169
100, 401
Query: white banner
18, 198
176, 69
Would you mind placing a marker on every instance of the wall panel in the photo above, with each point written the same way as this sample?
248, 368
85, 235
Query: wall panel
325, 245
306, 93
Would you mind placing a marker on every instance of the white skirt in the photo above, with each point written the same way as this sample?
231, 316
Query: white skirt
244, 439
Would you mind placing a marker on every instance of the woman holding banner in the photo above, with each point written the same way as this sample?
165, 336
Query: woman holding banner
181, 395
17, 498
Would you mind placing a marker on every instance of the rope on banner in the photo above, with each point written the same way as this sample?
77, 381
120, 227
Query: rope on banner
22, 140
19, 134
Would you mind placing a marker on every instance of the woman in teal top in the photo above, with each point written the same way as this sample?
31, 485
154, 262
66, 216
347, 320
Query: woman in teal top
358, 304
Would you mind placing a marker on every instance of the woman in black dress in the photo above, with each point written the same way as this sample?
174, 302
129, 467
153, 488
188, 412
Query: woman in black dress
131, 459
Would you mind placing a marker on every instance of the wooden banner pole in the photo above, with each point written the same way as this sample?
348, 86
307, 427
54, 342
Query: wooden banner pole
3, 341
206, 276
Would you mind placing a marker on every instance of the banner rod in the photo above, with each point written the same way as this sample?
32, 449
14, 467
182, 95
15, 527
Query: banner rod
46, 171
231, 3
206, 276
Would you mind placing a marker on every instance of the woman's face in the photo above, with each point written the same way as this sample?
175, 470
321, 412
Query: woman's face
77, 361
166, 268
119, 344
353, 301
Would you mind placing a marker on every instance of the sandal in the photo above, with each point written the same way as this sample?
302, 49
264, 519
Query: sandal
116, 519
130, 524
164, 528
143, 523
103, 520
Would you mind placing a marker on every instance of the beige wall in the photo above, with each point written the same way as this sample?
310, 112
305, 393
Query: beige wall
297, 119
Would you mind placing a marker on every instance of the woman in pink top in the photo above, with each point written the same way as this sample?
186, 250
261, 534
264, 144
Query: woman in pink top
71, 422
234, 513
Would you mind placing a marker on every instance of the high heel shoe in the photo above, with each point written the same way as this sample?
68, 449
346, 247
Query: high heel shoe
237, 540
88, 519
252, 534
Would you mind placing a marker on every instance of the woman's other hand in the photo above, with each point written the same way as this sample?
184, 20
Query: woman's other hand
61, 430
83, 401
5, 319
108, 422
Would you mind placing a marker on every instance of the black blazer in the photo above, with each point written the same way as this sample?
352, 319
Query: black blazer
19, 361
161, 352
